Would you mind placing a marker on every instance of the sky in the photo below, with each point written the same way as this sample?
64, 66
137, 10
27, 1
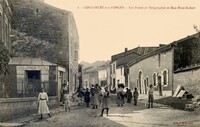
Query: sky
107, 27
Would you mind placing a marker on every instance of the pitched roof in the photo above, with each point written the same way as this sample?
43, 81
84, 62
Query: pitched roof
127, 56
28, 61
162, 48
138, 50
126, 59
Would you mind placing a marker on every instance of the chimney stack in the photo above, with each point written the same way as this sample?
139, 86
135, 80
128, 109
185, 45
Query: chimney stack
126, 49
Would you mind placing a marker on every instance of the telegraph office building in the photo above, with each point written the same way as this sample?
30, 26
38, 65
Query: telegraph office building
29, 75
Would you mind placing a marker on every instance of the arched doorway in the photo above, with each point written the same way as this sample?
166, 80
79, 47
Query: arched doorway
145, 86
160, 85
140, 81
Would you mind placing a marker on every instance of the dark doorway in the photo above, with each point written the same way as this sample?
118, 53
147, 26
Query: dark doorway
160, 85
33, 82
114, 83
140, 82
145, 86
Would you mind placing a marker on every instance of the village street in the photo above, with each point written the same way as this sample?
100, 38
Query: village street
127, 116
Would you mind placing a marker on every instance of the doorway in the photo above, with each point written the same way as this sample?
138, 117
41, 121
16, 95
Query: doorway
140, 82
160, 85
33, 80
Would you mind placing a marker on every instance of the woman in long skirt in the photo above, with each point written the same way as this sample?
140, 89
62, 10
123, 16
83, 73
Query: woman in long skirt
96, 97
67, 101
120, 95
105, 101
42, 101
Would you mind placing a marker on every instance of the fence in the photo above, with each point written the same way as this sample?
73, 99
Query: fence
32, 87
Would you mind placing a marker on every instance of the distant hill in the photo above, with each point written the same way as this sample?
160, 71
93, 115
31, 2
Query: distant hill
94, 64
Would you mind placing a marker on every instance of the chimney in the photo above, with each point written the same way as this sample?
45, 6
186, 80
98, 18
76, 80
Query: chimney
161, 45
126, 49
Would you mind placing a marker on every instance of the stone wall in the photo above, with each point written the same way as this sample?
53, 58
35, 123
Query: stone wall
43, 22
17, 107
189, 79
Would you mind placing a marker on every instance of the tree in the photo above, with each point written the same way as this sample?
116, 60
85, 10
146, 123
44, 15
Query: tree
4, 60
28, 46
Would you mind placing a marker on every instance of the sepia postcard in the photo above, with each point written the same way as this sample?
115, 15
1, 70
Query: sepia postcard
100, 63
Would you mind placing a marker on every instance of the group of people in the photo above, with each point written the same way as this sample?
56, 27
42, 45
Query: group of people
121, 95
43, 99
96, 96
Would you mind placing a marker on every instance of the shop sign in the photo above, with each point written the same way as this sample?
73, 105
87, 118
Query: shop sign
45, 68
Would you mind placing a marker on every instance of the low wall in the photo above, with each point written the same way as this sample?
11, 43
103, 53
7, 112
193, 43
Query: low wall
17, 107
165, 93
189, 79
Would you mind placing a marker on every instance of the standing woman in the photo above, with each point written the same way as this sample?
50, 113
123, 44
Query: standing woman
42, 101
135, 96
96, 97
62, 92
92, 95
105, 101
120, 95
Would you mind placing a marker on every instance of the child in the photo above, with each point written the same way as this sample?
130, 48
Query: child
87, 97
135, 96
67, 102
129, 95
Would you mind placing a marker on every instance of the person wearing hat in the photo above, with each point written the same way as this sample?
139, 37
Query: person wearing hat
42, 103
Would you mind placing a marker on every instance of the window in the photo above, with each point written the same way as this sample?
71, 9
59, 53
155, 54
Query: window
147, 81
165, 53
1, 27
75, 55
159, 60
37, 11
165, 77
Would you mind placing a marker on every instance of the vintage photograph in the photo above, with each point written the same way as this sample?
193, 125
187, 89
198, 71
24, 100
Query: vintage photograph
99, 63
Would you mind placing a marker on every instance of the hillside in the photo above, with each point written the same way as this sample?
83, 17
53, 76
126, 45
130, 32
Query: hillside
94, 64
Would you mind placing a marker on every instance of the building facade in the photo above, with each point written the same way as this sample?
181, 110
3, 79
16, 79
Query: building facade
155, 68
119, 69
167, 67
97, 75
29, 75
90, 78
5, 24
56, 26
5, 44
